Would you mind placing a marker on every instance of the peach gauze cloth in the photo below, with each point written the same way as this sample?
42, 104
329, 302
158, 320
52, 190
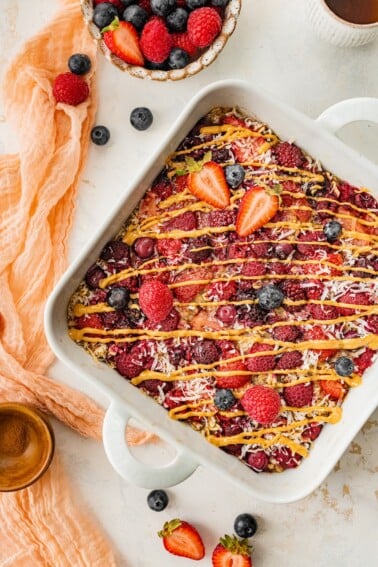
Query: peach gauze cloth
40, 525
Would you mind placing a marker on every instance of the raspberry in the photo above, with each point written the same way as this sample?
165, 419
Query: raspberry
186, 293
236, 250
92, 320
222, 291
155, 299
204, 24
168, 246
162, 189
363, 361
299, 395
145, 4
353, 299
155, 41
346, 192
289, 360
310, 250
372, 322
170, 323
258, 461
206, 352
288, 155
262, 404
250, 315
216, 218
253, 269
323, 312
286, 333
293, 290
128, 365
316, 333
198, 249
114, 320
291, 186
115, 251
260, 249
182, 41
261, 363
314, 289
312, 432
185, 221
365, 201
286, 458
232, 380
154, 386
70, 89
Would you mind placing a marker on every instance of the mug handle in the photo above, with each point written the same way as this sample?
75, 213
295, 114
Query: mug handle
128, 467
349, 110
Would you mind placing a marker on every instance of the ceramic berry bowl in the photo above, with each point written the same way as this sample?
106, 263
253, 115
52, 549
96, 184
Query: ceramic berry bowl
161, 39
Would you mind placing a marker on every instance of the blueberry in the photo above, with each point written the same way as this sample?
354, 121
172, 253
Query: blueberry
332, 230
269, 297
224, 399
178, 58
157, 500
162, 7
136, 15
118, 297
176, 20
245, 525
193, 4
79, 63
344, 366
104, 14
234, 175
220, 3
141, 118
156, 66
100, 135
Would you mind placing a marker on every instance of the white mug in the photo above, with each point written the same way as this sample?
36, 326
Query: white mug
334, 29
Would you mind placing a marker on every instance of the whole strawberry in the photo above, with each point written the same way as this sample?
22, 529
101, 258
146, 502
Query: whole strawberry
262, 404
232, 552
155, 41
182, 539
70, 89
204, 24
155, 299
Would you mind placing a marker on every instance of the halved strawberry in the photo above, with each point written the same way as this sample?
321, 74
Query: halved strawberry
206, 180
181, 538
232, 552
256, 208
247, 149
122, 39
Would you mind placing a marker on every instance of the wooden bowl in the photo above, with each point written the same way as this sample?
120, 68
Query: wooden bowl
204, 60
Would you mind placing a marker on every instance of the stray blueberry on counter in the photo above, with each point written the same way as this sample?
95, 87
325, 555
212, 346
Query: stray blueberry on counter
245, 525
104, 14
79, 63
100, 135
157, 500
234, 175
141, 118
178, 58
118, 297
224, 399
332, 230
344, 366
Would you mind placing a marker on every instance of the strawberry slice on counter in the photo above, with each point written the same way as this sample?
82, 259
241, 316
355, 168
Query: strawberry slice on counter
181, 538
232, 552
207, 181
256, 208
123, 40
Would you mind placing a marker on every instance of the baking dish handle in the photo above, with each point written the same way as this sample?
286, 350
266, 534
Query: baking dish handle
349, 110
128, 467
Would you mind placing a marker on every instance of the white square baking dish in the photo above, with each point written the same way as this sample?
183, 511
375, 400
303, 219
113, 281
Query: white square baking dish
125, 401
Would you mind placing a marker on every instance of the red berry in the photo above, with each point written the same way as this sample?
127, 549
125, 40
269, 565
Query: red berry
363, 361
308, 249
222, 291
260, 249
182, 41
253, 269
145, 4
288, 155
155, 41
314, 289
372, 322
170, 323
117, 3
322, 312
155, 299
346, 192
293, 290
262, 404
312, 432
144, 247
128, 365
365, 200
185, 221
115, 251
232, 380
186, 293
168, 246
258, 461
286, 333
261, 363
299, 395
216, 218
206, 352
204, 24
70, 89
286, 458
289, 360
91, 320
353, 299
226, 314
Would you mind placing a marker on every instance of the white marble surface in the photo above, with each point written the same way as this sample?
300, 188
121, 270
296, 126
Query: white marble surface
273, 47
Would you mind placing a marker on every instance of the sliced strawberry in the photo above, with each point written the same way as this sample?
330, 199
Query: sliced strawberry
333, 388
122, 39
256, 208
209, 184
232, 552
247, 149
181, 538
